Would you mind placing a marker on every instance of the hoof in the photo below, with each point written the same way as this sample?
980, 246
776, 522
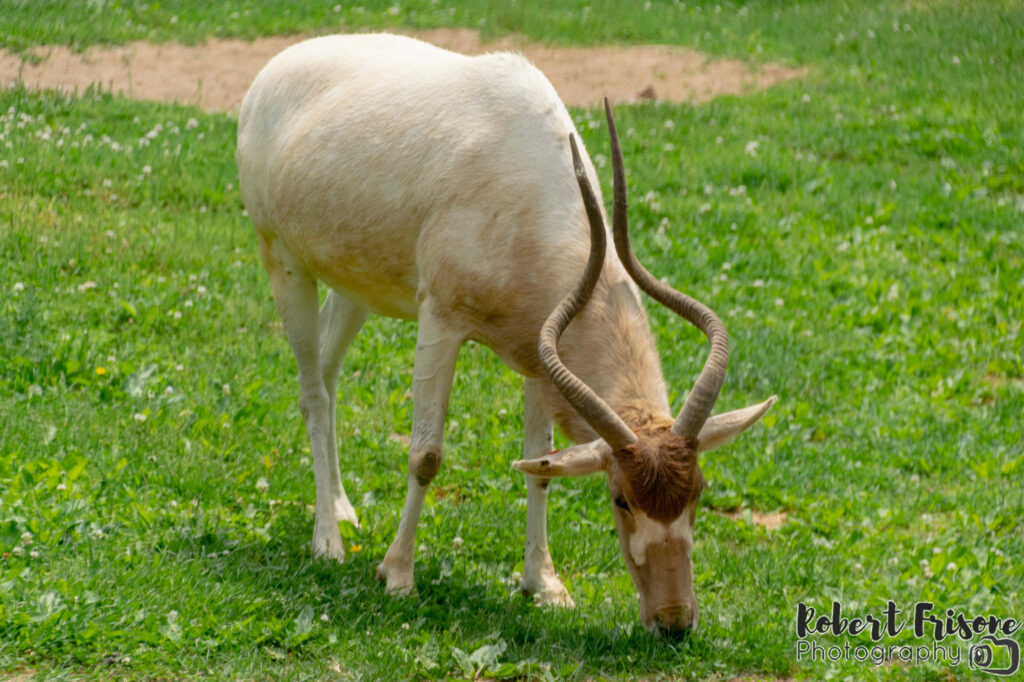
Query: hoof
552, 594
327, 542
561, 600
399, 583
329, 550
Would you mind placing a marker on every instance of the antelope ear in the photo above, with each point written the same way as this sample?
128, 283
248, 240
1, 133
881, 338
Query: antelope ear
579, 460
722, 428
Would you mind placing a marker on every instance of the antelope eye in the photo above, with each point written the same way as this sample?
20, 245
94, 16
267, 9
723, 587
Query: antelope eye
621, 503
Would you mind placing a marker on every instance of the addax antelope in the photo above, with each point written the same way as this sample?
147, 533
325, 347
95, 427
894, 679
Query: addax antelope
452, 190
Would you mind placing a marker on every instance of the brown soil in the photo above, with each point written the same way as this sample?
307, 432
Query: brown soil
768, 521
215, 75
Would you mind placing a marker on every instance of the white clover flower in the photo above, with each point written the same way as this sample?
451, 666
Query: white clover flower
262, 485
18, 287
26, 538
752, 147
457, 543
139, 417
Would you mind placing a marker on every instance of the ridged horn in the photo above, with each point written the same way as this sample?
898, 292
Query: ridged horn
701, 400
595, 411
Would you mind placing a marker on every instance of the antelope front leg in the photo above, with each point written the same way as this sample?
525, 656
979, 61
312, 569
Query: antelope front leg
437, 348
539, 577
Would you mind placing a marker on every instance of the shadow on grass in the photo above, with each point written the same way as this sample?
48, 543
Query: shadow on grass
457, 603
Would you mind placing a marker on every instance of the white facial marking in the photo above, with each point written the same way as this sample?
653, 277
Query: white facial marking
649, 531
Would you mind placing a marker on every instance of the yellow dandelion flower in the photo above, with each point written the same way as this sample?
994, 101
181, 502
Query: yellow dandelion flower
355, 548
100, 371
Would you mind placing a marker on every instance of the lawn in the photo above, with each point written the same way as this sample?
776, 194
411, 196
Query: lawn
859, 230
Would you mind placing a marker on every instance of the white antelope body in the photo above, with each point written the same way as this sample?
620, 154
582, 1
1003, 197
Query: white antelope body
426, 185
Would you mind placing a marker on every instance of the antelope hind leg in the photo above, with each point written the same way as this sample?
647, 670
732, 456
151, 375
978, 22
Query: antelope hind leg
295, 295
340, 321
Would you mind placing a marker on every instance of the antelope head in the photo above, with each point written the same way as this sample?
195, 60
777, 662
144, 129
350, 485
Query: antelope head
653, 474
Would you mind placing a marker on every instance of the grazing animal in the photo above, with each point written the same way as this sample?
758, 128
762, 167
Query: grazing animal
430, 186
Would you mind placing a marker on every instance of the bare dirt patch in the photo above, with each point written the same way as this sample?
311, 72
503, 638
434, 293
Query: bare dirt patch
768, 521
216, 75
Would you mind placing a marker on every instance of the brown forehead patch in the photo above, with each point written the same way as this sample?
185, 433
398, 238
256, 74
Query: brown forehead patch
662, 473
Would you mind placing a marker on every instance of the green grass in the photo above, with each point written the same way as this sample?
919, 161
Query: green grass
866, 255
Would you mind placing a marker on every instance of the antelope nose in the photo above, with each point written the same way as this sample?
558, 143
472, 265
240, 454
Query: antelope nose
674, 620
